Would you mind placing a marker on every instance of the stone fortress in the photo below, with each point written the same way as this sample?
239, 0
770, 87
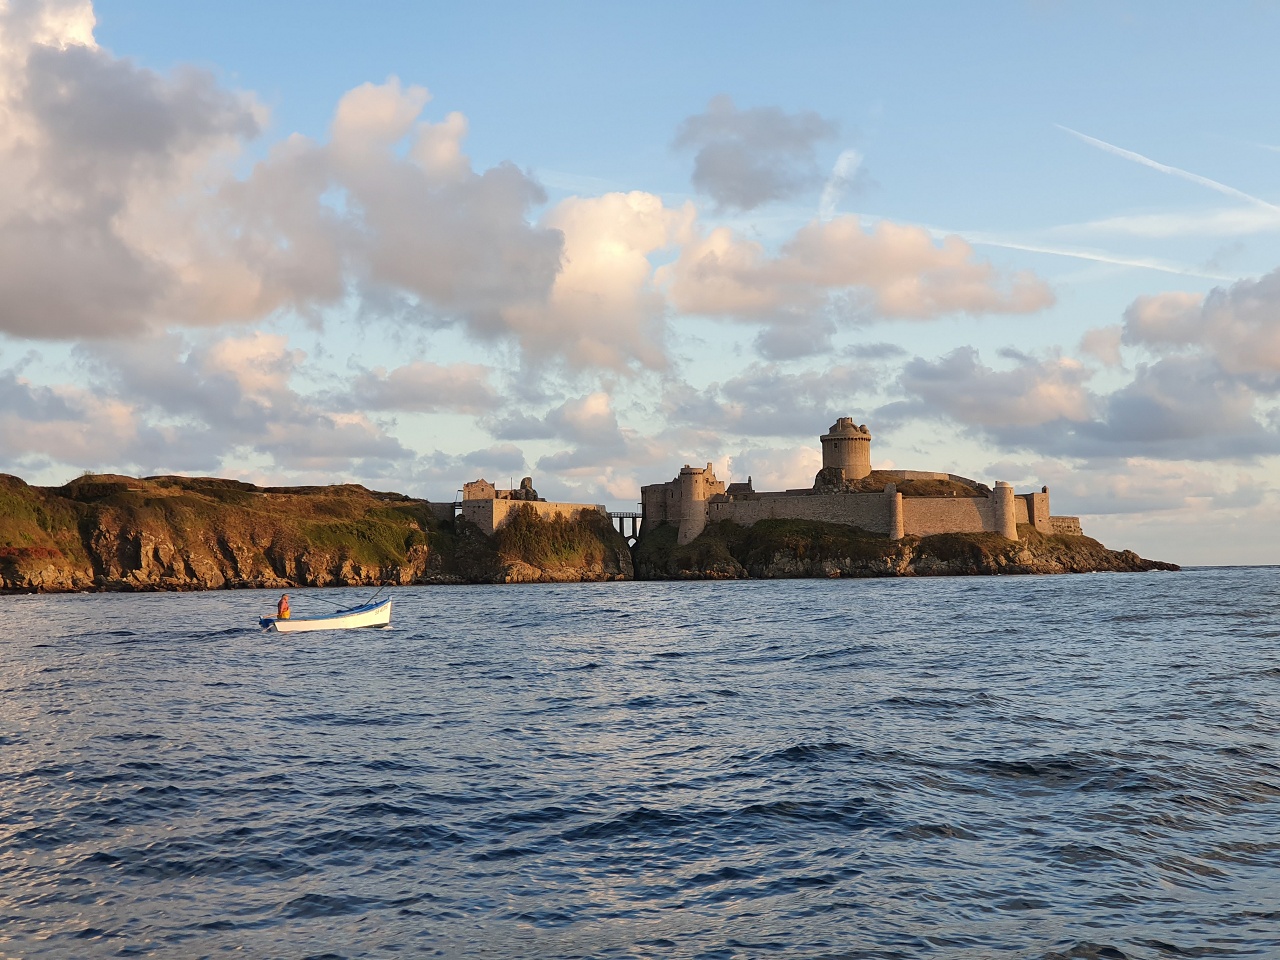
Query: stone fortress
489, 507
846, 490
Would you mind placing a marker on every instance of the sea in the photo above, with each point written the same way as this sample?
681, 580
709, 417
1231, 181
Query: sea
1079, 766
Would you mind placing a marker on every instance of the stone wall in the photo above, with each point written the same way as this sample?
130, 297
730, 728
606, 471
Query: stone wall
489, 515
1033, 508
871, 511
442, 511
479, 490
1067, 525
926, 516
920, 475
681, 501
657, 502
695, 497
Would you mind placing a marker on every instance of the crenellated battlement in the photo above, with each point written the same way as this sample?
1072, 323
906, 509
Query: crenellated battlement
896, 503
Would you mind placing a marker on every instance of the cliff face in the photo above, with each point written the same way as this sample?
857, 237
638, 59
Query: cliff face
182, 533
797, 548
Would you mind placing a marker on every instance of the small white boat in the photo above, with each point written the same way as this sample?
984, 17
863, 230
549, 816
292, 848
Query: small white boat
369, 615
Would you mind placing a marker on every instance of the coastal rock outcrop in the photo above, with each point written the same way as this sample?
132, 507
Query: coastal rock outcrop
772, 549
107, 532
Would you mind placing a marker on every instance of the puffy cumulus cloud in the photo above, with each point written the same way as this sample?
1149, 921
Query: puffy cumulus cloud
598, 458
1033, 392
459, 240
603, 309
767, 400
237, 396
63, 424
907, 274
119, 211
776, 468
497, 459
1103, 344
1130, 485
424, 387
795, 334
1236, 326
839, 267
745, 158
1179, 408
588, 421
92, 148
1184, 408
119, 214
596, 474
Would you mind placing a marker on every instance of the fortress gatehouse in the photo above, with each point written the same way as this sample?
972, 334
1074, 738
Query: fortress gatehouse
896, 503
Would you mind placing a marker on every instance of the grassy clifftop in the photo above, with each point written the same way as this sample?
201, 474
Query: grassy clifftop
807, 548
113, 532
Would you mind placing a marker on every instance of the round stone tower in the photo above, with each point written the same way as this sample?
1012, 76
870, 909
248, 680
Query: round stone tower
1005, 518
847, 448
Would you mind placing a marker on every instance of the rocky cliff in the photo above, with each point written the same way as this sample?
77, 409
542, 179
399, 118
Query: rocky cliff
800, 548
106, 532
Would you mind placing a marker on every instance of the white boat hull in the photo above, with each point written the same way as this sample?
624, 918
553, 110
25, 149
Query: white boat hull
370, 615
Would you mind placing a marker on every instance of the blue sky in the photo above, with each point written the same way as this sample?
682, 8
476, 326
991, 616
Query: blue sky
410, 245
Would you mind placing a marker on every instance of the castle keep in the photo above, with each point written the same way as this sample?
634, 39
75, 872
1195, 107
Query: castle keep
895, 503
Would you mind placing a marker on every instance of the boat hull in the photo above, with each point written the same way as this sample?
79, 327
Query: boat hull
370, 615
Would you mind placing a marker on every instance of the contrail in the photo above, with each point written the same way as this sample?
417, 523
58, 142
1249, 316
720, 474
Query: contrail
842, 175
980, 239
1146, 263
1172, 171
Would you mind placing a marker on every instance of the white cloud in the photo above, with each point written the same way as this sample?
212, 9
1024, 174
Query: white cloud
768, 400
1236, 326
603, 309
97, 158
1103, 344
1032, 392
776, 468
1178, 408
425, 387
891, 271
746, 158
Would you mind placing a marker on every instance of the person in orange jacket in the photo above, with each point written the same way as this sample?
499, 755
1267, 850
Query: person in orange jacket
282, 608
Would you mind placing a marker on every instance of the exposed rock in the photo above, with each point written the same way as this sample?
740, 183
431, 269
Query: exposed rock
773, 549
183, 533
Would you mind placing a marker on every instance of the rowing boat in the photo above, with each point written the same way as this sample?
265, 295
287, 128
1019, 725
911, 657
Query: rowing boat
369, 615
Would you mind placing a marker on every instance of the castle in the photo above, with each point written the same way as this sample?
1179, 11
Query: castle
895, 503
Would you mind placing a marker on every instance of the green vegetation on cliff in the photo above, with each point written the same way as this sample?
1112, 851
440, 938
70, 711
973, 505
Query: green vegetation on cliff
37, 527
810, 548
557, 541
534, 548
184, 532
112, 532
727, 550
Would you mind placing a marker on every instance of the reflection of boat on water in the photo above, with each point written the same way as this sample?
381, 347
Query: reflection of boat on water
369, 615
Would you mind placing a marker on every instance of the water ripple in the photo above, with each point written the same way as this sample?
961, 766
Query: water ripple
1040, 768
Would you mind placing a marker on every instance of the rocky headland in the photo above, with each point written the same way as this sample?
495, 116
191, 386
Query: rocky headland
108, 532
772, 549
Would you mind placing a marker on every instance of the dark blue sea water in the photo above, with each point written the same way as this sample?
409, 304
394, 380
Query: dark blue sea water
1038, 767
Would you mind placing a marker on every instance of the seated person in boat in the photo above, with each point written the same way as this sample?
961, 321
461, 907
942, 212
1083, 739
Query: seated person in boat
282, 608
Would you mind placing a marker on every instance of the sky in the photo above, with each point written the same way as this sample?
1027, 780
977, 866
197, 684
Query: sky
410, 245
